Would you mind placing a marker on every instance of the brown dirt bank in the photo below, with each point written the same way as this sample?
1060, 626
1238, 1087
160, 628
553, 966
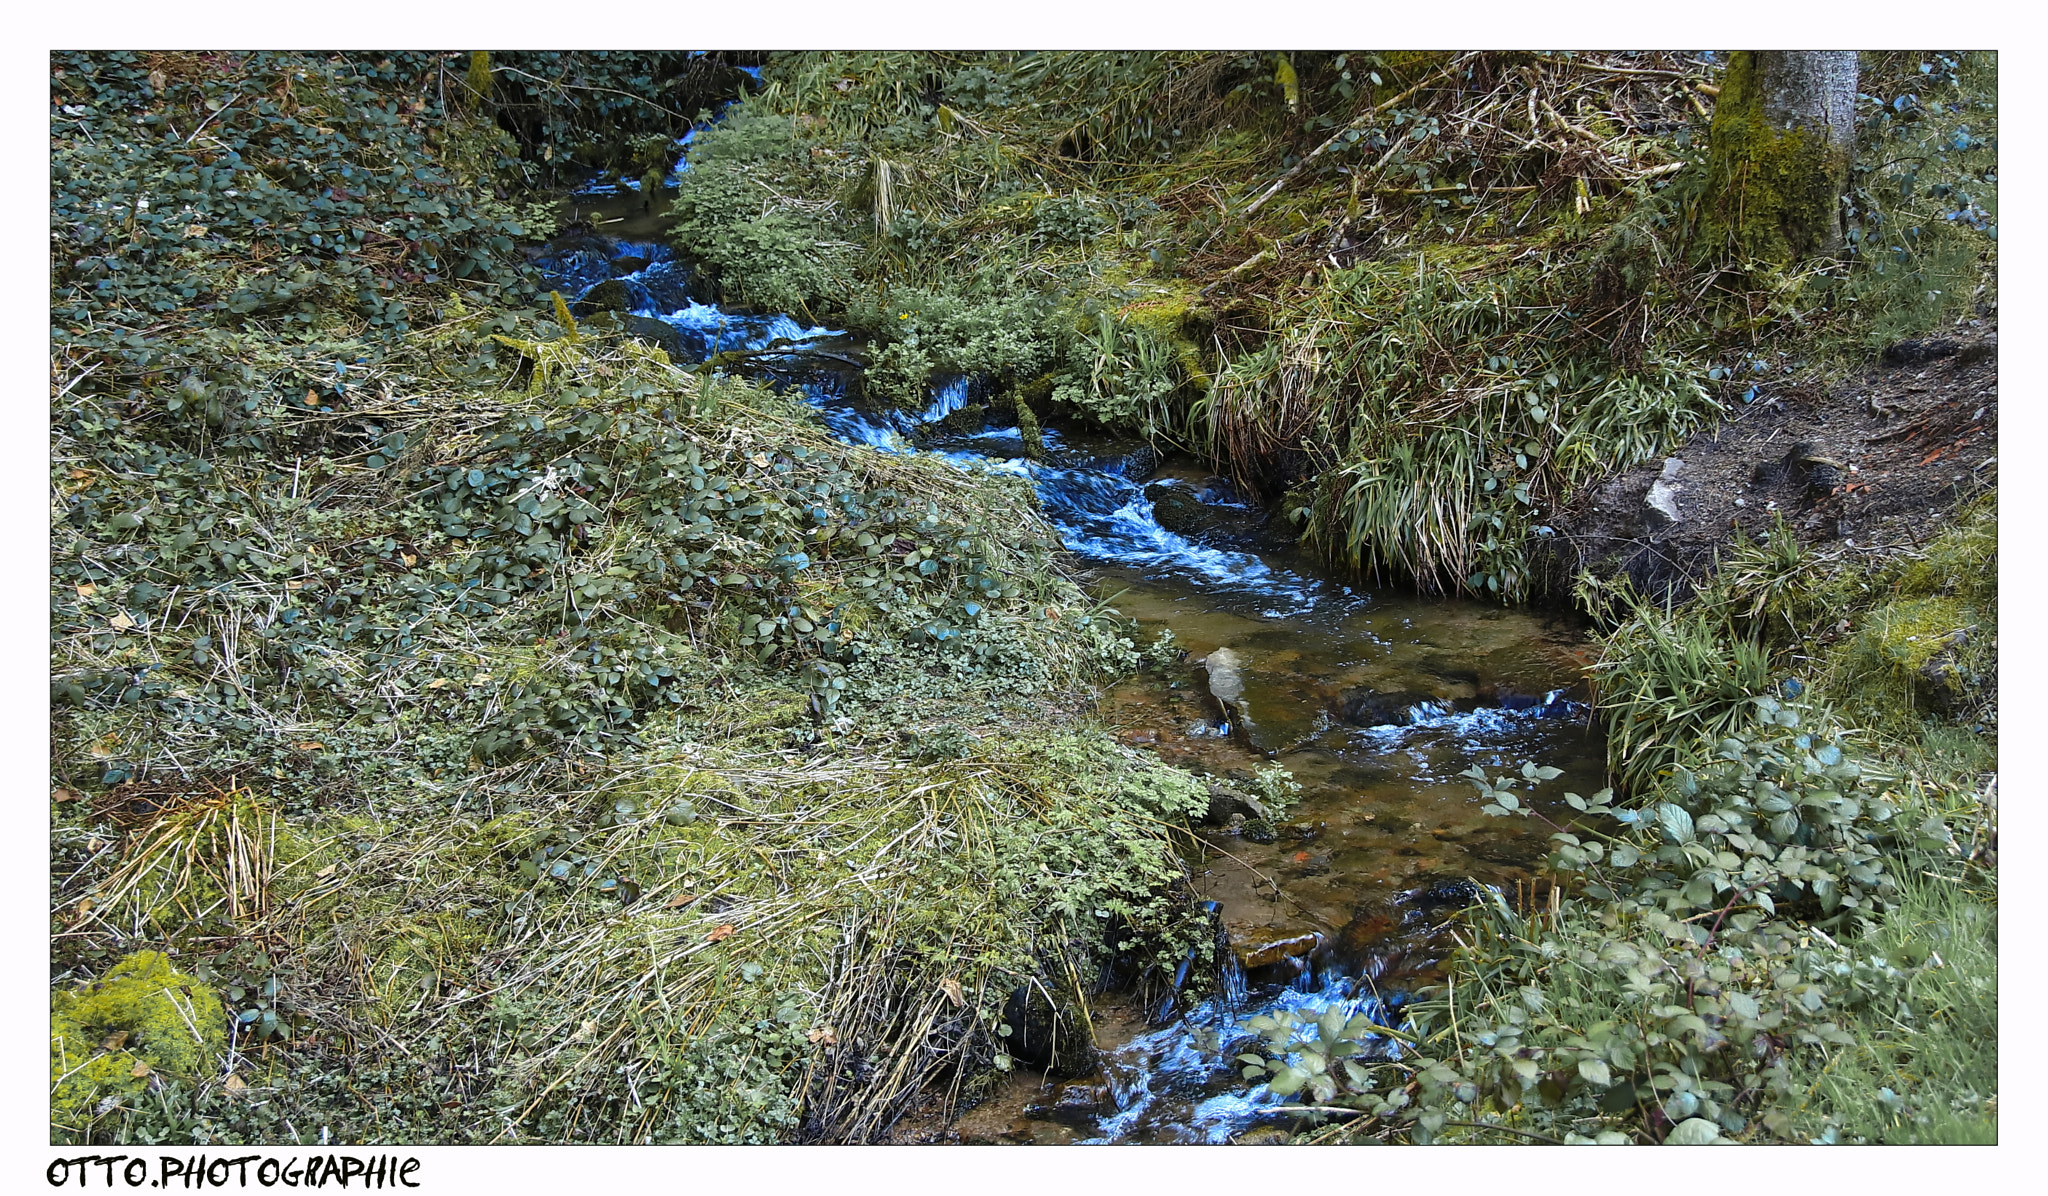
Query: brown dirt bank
1875, 461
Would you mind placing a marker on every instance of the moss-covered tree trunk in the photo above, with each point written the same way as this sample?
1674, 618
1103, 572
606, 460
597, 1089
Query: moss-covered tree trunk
1778, 157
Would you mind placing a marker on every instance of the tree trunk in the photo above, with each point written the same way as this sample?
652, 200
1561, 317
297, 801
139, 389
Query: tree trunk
1778, 155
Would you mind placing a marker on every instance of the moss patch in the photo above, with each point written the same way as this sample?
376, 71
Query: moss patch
1931, 647
1774, 195
142, 1023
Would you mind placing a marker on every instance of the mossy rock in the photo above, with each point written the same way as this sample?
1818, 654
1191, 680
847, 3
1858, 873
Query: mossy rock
1962, 562
1180, 321
1932, 649
143, 1019
1915, 656
609, 295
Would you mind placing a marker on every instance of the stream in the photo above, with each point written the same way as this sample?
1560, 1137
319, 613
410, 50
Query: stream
1374, 700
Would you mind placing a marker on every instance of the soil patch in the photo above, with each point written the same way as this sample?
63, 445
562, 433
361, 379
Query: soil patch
1877, 461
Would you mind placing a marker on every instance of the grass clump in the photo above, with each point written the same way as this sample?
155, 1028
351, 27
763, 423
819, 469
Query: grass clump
1925, 1071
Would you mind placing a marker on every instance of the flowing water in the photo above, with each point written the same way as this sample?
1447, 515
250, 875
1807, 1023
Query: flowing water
1374, 701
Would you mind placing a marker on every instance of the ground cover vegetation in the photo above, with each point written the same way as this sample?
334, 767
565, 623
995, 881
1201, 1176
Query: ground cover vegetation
509, 735
1783, 931
530, 741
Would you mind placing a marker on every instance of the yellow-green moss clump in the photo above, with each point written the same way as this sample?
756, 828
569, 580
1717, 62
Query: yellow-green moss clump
1176, 319
1932, 648
141, 1020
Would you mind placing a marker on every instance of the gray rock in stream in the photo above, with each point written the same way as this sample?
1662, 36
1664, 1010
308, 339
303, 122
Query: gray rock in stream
1366, 707
1226, 684
1135, 466
1078, 1104
1217, 519
681, 349
1225, 802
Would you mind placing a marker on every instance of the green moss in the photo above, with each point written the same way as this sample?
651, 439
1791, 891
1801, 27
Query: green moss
1962, 562
115, 1036
478, 77
1178, 320
1027, 427
1773, 195
1931, 647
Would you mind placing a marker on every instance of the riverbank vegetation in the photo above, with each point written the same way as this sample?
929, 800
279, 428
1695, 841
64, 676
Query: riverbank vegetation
1786, 929
526, 739
475, 700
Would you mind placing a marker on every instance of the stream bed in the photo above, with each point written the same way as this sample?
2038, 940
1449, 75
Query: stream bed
1374, 700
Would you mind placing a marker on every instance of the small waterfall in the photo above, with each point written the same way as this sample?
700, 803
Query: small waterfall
948, 398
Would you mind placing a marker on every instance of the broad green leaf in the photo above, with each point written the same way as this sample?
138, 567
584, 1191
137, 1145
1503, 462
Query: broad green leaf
1331, 1025
1693, 1131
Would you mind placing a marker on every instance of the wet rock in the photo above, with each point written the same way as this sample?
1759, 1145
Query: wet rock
1224, 802
1184, 512
1176, 508
681, 347
1045, 1036
1372, 708
1226, 683
1258, 830
1360, 935
1266, 946
1137, 465
1077, 1104
609, 295
1917, 352
970, 417
1660, 505
628, 264
1443, 896
672, 286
